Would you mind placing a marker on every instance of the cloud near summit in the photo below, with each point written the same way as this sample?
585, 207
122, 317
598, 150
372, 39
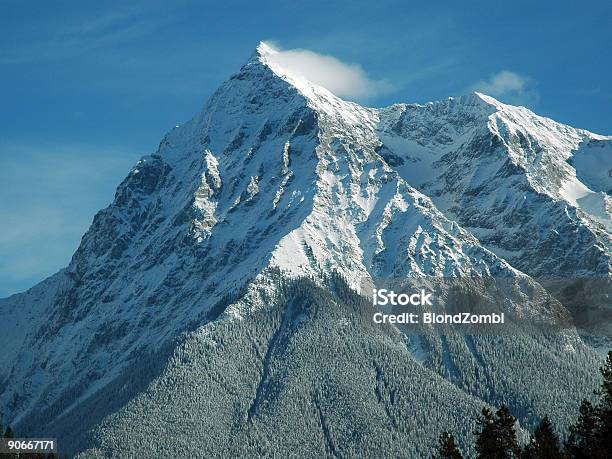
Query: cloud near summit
343, 79
509, 86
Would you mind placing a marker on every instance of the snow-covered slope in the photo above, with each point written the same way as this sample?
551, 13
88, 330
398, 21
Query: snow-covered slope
534, 191
276, 179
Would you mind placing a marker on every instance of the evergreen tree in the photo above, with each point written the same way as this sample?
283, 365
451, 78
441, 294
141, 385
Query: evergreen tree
497, 435
447, 448
604, 410
506, 432
545, 444
582, 442
486, 442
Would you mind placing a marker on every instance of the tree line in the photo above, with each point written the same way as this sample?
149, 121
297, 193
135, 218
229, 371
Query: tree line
589, 437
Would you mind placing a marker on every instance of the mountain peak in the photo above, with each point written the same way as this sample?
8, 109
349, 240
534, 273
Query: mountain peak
276, 61
264, 49
264, 54
261, 52
267, 64
477, 99
485, 98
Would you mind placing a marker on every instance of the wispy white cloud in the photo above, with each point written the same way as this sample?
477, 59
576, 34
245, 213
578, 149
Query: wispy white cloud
342, 78
510, 87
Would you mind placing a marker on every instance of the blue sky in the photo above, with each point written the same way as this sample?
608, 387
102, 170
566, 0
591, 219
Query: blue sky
86, 88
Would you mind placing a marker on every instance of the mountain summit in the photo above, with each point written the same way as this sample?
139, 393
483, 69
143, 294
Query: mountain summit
213, 306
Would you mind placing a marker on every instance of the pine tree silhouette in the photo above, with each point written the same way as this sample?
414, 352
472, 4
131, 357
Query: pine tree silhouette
505, 427
447, 448
486, 442
497, 435
604, 410
590, 437
582, 441
546, 443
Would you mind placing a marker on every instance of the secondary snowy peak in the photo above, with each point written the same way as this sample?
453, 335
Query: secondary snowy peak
525, 185
538, 145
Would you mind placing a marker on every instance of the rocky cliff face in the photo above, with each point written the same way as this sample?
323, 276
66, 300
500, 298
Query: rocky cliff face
187, 305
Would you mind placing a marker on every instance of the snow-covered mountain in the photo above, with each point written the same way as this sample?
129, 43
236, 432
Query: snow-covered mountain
534, 191
212, 307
